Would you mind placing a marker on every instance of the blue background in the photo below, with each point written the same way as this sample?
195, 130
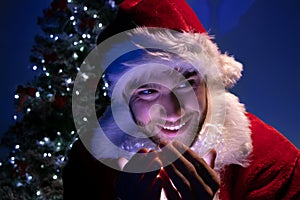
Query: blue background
263, 35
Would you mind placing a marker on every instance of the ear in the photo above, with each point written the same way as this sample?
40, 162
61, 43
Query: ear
232, 70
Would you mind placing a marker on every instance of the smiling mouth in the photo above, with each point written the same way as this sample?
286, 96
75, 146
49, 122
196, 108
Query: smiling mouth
173, 128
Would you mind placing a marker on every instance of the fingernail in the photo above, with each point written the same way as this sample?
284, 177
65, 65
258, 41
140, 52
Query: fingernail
162, 144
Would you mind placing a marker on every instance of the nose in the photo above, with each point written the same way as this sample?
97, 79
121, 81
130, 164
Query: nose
171, 105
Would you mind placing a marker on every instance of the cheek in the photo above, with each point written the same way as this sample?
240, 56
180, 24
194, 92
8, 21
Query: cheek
140, 112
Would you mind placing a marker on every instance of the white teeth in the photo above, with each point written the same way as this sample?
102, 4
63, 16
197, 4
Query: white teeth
174, 128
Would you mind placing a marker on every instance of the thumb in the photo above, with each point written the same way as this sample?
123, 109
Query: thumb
122, 162
210, 157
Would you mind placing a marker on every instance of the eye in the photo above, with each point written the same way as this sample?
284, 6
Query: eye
147, 92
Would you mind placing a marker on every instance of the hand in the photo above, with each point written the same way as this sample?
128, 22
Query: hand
140, 185
190, 174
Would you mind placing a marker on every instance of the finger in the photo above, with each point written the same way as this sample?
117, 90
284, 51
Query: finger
210, 158
169, 190
137, 162
181, 183
204, 171
155, 192
148, 178
122, 162
180, 171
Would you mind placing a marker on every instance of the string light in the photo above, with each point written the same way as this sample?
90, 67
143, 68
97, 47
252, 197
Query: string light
37, 94
54, 177
17, 146
34, 67
29, 178
17, 96
75, 56
15, 117
12, 160
46, 139
69, 80
38, 193
19, 184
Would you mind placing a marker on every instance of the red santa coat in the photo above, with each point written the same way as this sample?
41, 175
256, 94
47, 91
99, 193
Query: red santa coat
273, 173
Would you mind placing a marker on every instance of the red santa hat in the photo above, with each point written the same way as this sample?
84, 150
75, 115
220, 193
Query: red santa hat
192, 40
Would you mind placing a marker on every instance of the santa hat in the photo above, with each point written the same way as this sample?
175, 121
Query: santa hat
191, 40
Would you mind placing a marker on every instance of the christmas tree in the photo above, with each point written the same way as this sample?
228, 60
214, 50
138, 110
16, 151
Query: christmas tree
44, 130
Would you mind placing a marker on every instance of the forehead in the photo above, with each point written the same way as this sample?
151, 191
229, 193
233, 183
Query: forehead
166, 75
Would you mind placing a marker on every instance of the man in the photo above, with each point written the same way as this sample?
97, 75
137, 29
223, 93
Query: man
173, 130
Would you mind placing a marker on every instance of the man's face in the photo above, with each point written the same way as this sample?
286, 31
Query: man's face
171, 107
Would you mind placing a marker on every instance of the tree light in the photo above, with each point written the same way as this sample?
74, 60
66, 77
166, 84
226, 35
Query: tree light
69, 80
37, 94
17, 96
34, 67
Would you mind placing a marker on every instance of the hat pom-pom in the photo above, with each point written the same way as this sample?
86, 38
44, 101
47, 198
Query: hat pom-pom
232, 70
